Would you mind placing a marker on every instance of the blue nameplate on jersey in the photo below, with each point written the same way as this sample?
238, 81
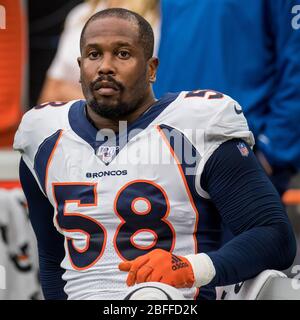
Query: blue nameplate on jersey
107, 153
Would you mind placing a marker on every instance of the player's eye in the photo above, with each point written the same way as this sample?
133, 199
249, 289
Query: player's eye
123, 54
93, 55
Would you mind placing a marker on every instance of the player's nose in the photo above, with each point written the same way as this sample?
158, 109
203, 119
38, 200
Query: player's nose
106, 65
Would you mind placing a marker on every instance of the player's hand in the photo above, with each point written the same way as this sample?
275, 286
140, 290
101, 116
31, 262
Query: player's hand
159, 266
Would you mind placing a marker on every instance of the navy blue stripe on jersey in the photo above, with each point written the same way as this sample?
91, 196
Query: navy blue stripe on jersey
80, 124
208, 235
50, 242
185, 152
251, 207
83, 128
42, 157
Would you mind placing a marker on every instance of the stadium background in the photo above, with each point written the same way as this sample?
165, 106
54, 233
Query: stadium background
34, 41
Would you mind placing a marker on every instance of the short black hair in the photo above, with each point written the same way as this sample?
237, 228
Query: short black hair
146, 35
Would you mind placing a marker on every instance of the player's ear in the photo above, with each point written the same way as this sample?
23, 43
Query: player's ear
152, 68
79, 64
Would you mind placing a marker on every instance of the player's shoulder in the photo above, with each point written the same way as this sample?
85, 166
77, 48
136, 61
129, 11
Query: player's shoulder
41, 122
207, 118
203, 108
46, 115
207, 100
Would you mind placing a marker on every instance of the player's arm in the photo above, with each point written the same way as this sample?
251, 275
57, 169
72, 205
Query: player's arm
251, 207
50, 242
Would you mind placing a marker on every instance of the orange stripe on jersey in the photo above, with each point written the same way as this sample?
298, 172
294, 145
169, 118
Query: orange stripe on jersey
184, 181
187, 190
12, 66
50, 159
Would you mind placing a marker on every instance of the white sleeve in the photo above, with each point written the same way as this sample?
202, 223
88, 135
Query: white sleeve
207, 119
225, 124
36, 125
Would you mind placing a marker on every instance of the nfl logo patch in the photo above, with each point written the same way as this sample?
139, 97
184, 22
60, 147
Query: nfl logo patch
243, 149
107, 153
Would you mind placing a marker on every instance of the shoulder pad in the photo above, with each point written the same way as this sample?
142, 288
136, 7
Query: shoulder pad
38, 124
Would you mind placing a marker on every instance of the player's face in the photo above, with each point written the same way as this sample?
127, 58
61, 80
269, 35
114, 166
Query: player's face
115, 75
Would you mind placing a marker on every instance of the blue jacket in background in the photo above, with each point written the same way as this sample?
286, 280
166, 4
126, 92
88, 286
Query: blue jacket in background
246, 49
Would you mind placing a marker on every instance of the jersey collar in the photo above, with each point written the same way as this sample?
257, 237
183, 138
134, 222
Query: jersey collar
83, 128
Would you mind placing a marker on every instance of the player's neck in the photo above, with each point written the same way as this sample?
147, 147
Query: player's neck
100, 122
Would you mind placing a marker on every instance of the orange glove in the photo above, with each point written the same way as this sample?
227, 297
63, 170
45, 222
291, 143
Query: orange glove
159, 266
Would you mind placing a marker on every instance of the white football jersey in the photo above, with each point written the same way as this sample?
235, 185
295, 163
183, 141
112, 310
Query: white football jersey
137, 191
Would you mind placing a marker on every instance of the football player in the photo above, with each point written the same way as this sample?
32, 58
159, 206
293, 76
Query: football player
116, 205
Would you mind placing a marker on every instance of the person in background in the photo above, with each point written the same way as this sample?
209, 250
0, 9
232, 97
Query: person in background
45, 25
250, 51
62, 81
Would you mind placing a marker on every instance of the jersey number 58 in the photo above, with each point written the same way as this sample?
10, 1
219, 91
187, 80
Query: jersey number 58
132, 222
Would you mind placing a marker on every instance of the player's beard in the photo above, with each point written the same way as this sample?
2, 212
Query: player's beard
107, 111
112, 109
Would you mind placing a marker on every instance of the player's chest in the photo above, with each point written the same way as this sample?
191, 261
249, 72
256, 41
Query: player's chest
135, 198
133, 179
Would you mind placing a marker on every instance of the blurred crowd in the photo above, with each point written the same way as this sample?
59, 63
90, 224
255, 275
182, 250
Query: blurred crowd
248, 50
